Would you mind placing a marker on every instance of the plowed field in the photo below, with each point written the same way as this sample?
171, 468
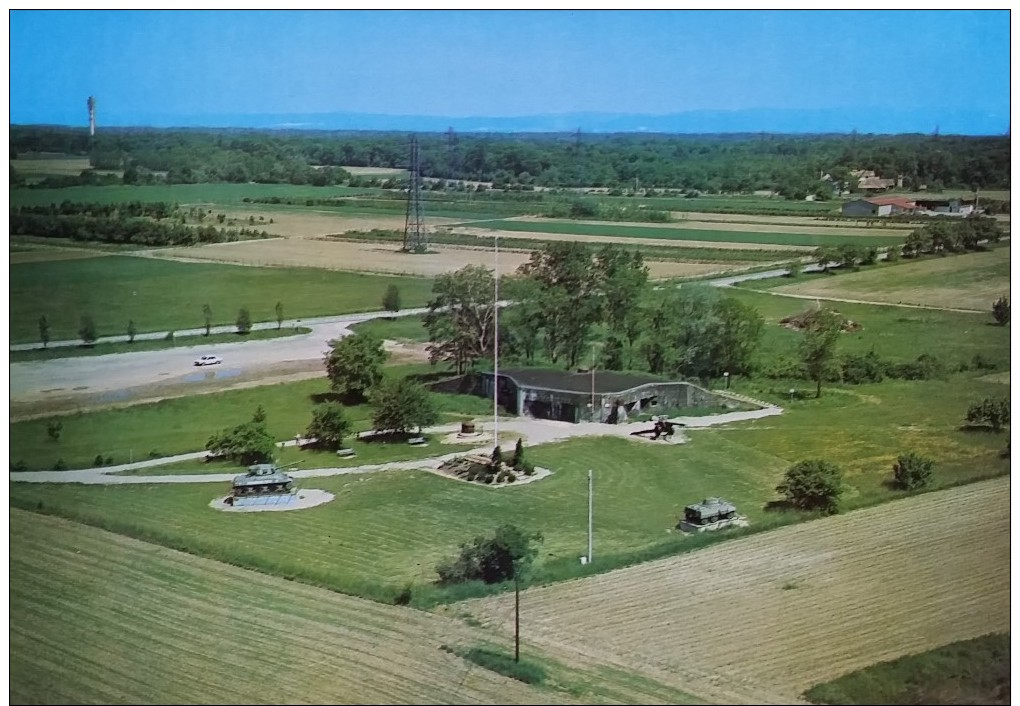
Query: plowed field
766, 617
100, 618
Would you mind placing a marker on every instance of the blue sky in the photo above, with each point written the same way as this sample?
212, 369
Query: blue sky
157, 65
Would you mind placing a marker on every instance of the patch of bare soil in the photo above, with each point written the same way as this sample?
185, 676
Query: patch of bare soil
739, 223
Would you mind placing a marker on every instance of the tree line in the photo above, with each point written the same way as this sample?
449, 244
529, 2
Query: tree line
119, 229
734, 163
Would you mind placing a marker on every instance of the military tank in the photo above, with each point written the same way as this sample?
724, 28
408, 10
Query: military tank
710, 514
262, 479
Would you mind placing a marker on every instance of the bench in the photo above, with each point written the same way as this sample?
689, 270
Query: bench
417, 441
346, 453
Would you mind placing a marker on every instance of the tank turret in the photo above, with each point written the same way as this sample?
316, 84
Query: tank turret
262, 478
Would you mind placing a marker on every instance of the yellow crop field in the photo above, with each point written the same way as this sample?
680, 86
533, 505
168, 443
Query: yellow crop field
764, 618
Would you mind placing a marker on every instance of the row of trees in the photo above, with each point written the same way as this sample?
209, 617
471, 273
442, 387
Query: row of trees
731, 163
140, 231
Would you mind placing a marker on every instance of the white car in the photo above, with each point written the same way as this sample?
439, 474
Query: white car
208, 360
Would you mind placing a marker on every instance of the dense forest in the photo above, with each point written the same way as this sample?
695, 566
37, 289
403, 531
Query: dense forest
791, 165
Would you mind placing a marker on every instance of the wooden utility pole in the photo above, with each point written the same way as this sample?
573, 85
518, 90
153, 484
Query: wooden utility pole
517, 618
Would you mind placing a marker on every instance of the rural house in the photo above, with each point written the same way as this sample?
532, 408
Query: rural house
878, 206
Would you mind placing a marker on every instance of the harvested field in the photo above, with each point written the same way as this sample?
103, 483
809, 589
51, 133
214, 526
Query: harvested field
309, 223
766, 617
100, 618
374, 171
746, 224
813, 221
970, 281
386, 258
486, 233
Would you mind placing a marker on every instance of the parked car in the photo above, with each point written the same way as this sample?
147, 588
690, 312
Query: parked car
208, 360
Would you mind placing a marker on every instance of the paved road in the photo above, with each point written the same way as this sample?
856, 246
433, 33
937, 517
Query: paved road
118, 373
532, 431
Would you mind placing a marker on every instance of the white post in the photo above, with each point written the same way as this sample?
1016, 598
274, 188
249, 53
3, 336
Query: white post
590, 507
495, 350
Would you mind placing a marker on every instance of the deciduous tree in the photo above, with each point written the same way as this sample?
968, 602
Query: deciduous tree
391, 299
329, 425
354, 365
87, 330
503, 556
207, 315
1000, 310
818, 347
911, 472
243, 321
461, 318
44, 330
401, 405
991, 411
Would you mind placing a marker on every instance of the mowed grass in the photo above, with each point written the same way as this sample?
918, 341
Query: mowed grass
387, 530
404, 328
161, 295
711, 236
184, 424
100, 618
970, 281
973, 671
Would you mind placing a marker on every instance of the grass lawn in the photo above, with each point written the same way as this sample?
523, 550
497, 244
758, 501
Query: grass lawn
712, 236
162, 295
970, 672
404, 328
146, 345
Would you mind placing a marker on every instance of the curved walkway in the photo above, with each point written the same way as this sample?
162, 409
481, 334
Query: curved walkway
532, 431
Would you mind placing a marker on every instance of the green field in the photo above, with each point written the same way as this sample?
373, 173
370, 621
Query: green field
222, 194
970, 672
184, 424
405, 328
708, 236
161, 295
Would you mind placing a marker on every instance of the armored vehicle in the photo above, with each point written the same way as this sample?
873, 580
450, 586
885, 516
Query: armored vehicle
262, 478
708, 511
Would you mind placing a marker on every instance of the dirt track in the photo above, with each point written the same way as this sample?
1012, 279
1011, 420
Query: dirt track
769, 616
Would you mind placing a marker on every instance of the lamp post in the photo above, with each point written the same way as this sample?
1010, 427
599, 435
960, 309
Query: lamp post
726, 375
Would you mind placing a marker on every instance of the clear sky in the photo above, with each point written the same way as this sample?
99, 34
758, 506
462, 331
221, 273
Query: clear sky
503, 63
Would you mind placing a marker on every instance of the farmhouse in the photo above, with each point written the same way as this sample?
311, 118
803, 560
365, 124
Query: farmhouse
879, 206
946, 207
602, 396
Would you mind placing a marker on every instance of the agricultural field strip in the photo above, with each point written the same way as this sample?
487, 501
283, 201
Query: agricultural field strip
737, 223
367, 257
140, 616
712, 234
972, 281
650, 241
787, 609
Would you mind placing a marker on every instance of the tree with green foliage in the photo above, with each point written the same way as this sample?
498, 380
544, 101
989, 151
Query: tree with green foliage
813, 485
519, 336
401, 405
53, 430
679, 330
461, 317
279, 315
504, 556
991, 411
619, 279
329, 425
912, 472
893, 254
1000, 310
794, 269
44, 330
354, 365
207, 315
734, 337
569, 304
243, 321
246, 443
818, 347
848, 254
391, 299
826, 256
87, 330
132, 330
496, 462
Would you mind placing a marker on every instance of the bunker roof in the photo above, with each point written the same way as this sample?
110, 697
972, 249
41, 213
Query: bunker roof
606, 381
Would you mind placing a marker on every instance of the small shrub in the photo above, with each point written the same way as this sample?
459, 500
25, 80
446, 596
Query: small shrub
813, 485
912, 472
155, 454
53, 430
523, 671
109, 460
404, 597
98, 460
60, 465
19, 467
893, 255
511, 477
979, 362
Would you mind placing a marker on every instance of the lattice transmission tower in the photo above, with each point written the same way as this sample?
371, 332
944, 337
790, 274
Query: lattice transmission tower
416, 240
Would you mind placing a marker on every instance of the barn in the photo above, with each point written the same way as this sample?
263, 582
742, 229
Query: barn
603, 396
878, 206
